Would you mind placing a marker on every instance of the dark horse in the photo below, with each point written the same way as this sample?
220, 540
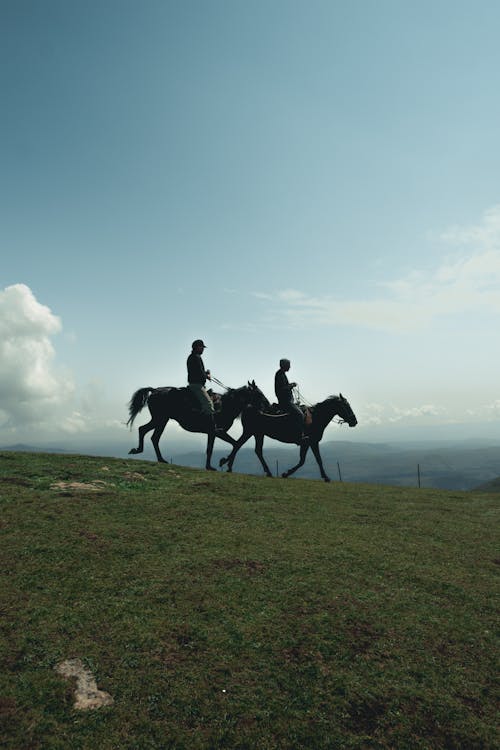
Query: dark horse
178, 404
281, 427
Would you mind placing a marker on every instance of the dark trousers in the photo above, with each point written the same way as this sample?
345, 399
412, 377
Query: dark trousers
294, 410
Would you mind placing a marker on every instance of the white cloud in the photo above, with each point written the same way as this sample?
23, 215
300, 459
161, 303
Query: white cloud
490, 411
415, 412
33, 393
36, 397
467, 283
373, 414
29, 386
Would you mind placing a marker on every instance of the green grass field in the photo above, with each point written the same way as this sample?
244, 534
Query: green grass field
231, 611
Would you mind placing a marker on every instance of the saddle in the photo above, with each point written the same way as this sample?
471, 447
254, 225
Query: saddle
216, 399
275, 410
192, 401
189, 399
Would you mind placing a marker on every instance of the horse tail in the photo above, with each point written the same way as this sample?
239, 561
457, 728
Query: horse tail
138, 402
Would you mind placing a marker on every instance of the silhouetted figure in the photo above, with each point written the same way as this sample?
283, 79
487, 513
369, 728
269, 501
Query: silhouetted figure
283, 390
198, 376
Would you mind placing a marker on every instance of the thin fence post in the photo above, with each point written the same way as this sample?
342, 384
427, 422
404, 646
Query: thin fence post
277, 468
418, 474
340, 475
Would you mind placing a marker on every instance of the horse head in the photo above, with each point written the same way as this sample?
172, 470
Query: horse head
256, 398
345, 411
248, 395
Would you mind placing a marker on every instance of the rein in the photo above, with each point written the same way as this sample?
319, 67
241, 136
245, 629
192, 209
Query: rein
300, 398
218, 382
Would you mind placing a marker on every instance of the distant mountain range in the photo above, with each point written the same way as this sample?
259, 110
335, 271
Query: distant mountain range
441, 466
461, 465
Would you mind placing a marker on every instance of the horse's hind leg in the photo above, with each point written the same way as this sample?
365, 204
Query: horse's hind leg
155, 439
143, 431
229, 460
303, 452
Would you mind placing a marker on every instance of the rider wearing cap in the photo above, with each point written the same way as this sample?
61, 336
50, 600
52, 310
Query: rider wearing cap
198, 376
283, 390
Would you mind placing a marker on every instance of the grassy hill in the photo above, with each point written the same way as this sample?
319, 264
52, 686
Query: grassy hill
229, 611
492, 486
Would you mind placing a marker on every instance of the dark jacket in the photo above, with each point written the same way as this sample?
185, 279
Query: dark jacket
282, 388
196, 369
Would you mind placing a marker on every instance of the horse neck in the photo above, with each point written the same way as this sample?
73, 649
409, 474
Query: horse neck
232, 405
325, 411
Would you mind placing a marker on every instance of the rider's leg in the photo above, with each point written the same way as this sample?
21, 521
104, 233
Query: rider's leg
204, 400
296, 412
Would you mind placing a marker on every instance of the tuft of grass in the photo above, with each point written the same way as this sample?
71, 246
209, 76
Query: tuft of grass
230, 611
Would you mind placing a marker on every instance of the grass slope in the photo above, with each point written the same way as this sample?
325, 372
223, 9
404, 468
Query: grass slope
228, 611
492, 486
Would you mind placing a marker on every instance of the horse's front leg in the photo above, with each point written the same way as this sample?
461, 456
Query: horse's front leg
302, 457
259, 444
210, 448
229, 460
317, 455
226, 437
155, 439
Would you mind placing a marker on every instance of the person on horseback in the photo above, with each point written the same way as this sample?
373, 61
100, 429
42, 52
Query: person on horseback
198, 376
283, 390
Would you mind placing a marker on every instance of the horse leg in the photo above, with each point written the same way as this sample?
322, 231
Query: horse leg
210, 447
302, 457
229, 460
227, 438
142, 433
259, 443
155, 438
317, 455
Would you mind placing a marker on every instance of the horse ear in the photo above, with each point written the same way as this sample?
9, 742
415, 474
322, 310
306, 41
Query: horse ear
341, 396
249, 384
253, 383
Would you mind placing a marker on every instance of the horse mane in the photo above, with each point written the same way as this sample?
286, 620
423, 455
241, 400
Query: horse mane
333, 397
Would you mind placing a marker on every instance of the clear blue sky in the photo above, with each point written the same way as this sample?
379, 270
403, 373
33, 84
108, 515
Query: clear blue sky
314, 180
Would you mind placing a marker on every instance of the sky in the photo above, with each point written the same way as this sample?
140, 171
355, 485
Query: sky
311, 180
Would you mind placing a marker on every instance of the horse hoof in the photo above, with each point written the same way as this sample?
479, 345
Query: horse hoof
133, 451
210, 468
327, 479
222, 462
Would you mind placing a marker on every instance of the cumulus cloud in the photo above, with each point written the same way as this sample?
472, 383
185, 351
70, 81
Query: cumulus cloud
489, 411
465, 282
31, 388
378, 414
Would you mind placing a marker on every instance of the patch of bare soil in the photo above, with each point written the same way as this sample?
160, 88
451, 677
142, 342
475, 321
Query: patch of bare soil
134, 476
98, 485
87, 695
